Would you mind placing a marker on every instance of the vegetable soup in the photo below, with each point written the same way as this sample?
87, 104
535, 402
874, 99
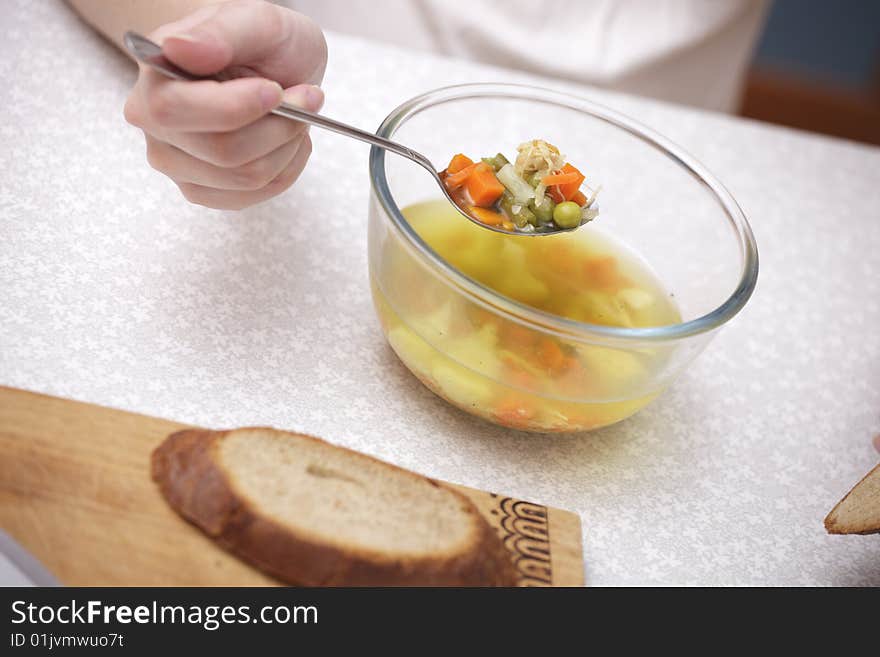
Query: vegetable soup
499, 368
540, 192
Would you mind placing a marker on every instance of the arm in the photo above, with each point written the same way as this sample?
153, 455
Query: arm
113, 18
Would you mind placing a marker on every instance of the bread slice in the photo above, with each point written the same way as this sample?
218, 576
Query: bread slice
315, 514
859, 511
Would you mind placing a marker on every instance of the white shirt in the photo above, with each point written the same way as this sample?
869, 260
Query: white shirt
688, 51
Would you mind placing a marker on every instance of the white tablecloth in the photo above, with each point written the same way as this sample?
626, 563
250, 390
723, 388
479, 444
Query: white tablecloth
114, 290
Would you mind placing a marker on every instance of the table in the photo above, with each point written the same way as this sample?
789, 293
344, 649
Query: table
113, 290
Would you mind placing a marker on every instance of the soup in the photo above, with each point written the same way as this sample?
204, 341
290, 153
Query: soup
500, 369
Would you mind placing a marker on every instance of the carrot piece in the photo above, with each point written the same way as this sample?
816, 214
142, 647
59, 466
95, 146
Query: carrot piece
555, 194
483, 186
457, 179
559, 178
570, 364
458, 162
514, 412
602, 272
485, 216
579, 198
568, 190
550, 354
516, 337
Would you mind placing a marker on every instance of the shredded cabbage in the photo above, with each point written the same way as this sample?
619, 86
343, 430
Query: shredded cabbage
593, 196
540, 190
537, 155
588, 214
521, 190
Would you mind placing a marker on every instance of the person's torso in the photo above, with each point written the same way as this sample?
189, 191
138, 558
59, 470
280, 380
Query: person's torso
688, 51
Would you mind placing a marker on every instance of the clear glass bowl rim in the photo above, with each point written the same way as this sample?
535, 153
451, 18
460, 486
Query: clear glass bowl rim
538, 318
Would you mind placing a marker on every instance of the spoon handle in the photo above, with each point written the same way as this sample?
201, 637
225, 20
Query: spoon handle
297, 114
149, 53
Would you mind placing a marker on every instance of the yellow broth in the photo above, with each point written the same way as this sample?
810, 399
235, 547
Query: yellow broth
498, 368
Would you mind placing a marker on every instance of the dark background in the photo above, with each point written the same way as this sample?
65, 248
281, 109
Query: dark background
817, 67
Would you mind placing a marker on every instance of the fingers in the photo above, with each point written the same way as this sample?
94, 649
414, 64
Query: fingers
162, 106
205, 106
231, 149
250, 176
223, 199
284, 45
236, 33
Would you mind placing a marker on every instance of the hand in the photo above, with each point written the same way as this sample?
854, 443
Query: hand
214, 139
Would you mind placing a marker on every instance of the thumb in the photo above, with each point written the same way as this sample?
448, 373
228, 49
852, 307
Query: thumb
306, 96
270, 40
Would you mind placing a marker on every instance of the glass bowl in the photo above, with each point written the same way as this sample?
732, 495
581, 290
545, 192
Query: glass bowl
495, 355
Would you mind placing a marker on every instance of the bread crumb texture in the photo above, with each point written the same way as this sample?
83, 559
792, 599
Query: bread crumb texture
345, 498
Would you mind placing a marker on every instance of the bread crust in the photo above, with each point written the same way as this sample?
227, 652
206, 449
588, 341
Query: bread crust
188, 472
834, 526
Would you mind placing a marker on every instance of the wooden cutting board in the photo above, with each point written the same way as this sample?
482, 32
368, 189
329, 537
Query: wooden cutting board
75, 491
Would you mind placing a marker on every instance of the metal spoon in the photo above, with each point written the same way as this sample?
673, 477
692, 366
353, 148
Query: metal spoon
149, 53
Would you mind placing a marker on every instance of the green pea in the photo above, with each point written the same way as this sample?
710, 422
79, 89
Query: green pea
543, 212
567, 215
